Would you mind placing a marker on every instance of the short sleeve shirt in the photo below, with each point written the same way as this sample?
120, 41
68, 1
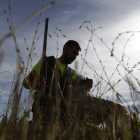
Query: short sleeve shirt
62, 68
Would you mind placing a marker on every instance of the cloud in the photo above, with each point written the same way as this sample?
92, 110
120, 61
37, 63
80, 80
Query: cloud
68, 14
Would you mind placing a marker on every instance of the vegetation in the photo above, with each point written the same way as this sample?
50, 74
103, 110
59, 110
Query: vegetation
86, 116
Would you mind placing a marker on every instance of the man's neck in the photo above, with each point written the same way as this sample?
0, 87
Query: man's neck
61, 59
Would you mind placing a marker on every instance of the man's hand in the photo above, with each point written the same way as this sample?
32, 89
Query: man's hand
41, 82
32, 81
89, 83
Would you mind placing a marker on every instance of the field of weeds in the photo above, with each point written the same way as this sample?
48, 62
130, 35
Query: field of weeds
87, 117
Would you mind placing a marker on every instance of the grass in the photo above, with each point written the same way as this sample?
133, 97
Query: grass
86, 116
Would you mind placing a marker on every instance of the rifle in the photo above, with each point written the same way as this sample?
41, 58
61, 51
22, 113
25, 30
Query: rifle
43, 70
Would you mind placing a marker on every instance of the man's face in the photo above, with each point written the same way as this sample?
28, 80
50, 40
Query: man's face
71, 54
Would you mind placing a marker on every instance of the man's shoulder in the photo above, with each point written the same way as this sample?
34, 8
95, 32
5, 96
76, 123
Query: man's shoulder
50, 60
50, 57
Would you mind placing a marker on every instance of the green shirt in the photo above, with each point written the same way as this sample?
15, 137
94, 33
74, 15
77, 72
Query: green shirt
62, 68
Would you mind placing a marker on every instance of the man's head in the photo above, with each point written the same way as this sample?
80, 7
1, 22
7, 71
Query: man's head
70, 51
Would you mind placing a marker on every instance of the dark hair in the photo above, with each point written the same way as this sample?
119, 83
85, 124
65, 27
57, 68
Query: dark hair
71, 44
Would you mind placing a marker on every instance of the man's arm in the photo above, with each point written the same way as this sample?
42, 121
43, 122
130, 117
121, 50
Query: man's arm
28, 82
33, 81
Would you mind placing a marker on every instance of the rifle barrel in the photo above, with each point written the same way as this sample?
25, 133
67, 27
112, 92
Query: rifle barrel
45, 36
43, 65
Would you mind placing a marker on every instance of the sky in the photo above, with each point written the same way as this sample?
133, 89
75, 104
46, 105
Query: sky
114, 17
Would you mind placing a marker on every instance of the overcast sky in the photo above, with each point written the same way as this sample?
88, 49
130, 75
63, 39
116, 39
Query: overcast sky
113, 16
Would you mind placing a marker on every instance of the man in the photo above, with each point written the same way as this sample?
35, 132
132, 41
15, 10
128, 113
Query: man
56, 78
70, 52
55, 82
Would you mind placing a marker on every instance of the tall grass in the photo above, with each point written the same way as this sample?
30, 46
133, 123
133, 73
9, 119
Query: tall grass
86, 116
